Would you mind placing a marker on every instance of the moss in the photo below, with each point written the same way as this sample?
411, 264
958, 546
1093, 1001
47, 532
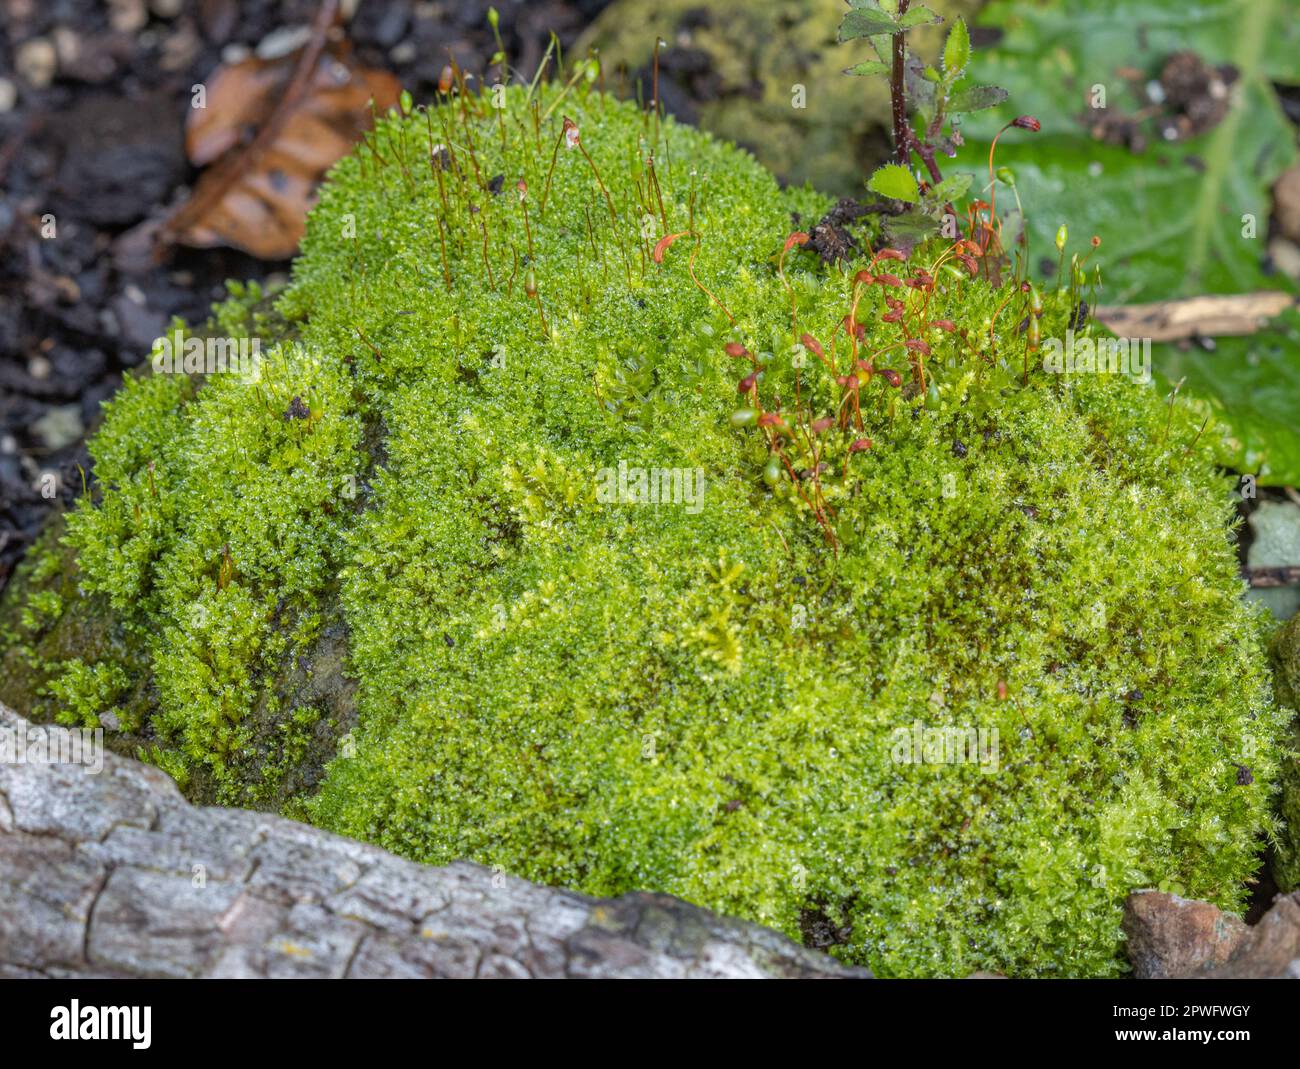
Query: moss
703, 698
1285, 652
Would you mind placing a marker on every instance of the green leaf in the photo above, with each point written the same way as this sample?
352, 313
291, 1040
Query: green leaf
976, 98
956, 50
917, 16
1254, 385
910, 228
858, 23
870, 66
1170, 216
953, 187
883, 45
895, 181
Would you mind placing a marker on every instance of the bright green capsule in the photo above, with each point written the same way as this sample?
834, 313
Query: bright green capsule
743, 417
1005, 174
1062, 234
772, 473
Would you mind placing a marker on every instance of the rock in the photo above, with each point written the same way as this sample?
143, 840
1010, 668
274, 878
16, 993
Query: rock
115, 875
59, 427
1276, 527
36, 61
1169, 936
8, 96
1269, 951
738, 76
1173, 938
127, 16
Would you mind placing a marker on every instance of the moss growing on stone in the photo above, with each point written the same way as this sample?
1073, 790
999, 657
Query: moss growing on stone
1285, 652
702, 696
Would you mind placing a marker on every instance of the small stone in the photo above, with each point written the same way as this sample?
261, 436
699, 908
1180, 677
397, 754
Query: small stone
8, 96
36, 61
127, 16
1170, 936
59, 427
402, 53
166, 9
38, 367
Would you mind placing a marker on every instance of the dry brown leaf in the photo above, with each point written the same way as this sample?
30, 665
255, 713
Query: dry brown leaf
257, 192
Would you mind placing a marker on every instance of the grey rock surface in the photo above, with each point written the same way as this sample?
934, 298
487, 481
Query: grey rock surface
115, 874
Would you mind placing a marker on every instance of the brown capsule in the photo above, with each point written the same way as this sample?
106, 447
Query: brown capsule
820, 425
445, 79
890, 376
811, 344
735, 350
859, 445
530, 283
747, 383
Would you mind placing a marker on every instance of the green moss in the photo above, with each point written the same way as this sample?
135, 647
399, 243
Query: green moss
701, 698
1286, 667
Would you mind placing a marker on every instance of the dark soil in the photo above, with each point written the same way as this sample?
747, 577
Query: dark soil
99, 148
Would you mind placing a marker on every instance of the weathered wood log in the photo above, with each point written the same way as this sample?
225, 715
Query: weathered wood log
113, 874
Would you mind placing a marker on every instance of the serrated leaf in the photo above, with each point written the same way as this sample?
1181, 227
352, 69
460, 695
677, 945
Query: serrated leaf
883, 45
956, 50
1169, 217
917, 16
953, 187
909, 229
870, 66
896, 182
913, 226
1254, 384
860, 23
976, 98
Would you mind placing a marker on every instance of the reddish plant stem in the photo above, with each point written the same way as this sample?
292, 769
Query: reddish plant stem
901, 133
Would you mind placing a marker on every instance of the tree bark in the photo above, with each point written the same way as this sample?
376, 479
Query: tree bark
114, 874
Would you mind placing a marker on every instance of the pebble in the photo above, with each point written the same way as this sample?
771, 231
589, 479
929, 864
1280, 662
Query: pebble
36, 61
166, 9
8, 95
127, 16
59, 426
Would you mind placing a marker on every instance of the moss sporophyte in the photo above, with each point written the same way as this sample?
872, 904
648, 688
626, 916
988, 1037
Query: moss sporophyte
902, 523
